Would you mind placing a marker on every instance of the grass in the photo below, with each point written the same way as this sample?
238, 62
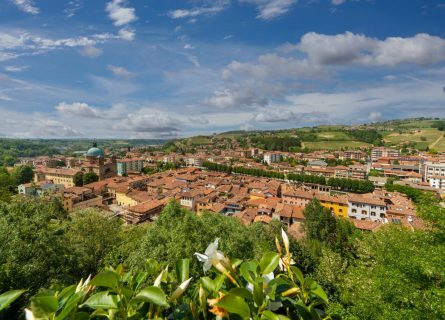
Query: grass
199, 140
333, 136
430, 135
335, 145
440, 146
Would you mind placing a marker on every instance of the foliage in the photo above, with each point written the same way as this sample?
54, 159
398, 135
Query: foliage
239, 290
369, 136
358, 186
22, 174
78, 179
275, 143
90, 177
321, 225
440, 125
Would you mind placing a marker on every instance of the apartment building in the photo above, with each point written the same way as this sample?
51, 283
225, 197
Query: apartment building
125, 166
380, 152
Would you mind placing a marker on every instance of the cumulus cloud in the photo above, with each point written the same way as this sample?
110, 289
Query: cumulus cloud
350, 48
127, 34
78, 109
120, 14
230, 98
26, 6
270, 9
375, 116
210, 8
273, 66
283, 115
337, 2
121, 72
91, 52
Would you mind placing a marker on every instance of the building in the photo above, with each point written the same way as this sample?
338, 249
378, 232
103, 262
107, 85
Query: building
338, 205
61, 176
38, 189
124, 166
80, 198
366, 207
437, 182
144, 211
355, 155
379, 152
270, 158
433, 168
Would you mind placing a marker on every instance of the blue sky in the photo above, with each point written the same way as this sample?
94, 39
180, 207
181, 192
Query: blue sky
164, 68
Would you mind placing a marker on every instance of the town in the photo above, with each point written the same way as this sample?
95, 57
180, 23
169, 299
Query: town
252, 184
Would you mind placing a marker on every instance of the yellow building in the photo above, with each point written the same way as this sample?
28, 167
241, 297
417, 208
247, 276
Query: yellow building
337, 205
131, 198
62, 176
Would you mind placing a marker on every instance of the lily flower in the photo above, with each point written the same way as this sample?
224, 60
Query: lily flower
180, 290
212, 256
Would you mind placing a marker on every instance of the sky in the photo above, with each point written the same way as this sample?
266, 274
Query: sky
166, 69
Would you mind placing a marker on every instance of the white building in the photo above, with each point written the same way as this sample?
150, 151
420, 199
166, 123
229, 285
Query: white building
194, 161
129, 165
433, 169
382, 152
362, 207
437, 182
270, 158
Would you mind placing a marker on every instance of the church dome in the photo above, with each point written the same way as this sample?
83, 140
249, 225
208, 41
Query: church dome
95, 152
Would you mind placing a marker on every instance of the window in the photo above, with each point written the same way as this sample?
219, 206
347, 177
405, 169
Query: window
354, 210
364, 212
373, 213
340, 210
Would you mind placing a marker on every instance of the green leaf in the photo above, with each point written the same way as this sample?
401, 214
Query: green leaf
107, 279
70, 305
258, 294
153, 295
208, 284
297, 272
269, 262
182, 270
241, 292
9, 297
102, 300
152, 266
44, 306
249, 271
269, 315
319, 292
235, 304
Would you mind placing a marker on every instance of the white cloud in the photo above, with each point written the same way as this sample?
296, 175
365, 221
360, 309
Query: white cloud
120, 14
213, 7
16, 68
273, 66
188, 46
375, 116
127, 34
121, 72
337, 2
26, 6
91, 52
270, 9
72, 8
78, 109
350, 48
230, 98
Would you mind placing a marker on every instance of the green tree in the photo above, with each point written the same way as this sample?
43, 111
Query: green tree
22, 174
90, 177
78, 179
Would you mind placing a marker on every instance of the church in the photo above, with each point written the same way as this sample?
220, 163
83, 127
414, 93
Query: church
96, 162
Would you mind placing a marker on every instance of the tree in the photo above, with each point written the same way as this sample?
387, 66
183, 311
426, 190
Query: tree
78, 179
22, 174
90, 177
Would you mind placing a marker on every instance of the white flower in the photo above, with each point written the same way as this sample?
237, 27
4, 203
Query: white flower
29, 315
285, 240
266, 277
181, 289
212, 256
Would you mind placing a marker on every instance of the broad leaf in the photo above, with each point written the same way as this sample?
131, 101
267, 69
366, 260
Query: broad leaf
182, 270
9, 297
153, 295
249, 271
269, 262
102, 300
235, 304
107, 279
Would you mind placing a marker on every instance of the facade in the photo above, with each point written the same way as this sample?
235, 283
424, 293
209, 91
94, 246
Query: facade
80, 198
437, 182
432, 168
125, 166
62, 176
361, 208
271, 158
380, 152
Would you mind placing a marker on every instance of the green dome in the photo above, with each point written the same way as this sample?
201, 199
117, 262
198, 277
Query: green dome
95, 152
